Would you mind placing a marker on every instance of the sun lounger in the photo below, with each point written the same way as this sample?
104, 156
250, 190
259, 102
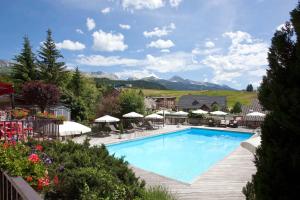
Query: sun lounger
113, 128
223, 123
134, 126
150, 126
233, 124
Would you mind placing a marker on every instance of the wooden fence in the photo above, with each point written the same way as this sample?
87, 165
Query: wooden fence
16, 188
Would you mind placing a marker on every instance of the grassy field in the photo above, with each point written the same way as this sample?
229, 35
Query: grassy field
243, 97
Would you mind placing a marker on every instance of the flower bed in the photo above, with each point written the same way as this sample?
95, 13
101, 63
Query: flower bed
70, 171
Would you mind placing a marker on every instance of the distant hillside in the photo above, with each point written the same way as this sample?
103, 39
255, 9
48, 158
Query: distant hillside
232, 96
175, 83
5, 67
178, 83
135, 83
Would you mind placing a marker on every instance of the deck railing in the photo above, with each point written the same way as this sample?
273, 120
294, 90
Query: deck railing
16, 188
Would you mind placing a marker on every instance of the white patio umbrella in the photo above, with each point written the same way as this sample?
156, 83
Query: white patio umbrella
181, 113
72, 128
133, 115
256, 114
199, 111
154, 116
161, 112
107, 119
221, 113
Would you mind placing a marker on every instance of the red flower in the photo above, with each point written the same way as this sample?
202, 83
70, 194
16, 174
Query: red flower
13, 143
39, 147
29, 178
34, 158
5, 145
55, 180
42, 182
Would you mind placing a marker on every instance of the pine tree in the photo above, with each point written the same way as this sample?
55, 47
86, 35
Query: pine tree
51, 69
25, 68
278, 158
76, 83
249, 88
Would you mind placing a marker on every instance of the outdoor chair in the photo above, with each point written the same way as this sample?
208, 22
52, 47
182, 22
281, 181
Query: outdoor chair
113, 128
150, 126
223, 123
134, 126
233, 124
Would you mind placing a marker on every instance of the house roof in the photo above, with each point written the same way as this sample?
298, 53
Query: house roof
253, 107
196, 101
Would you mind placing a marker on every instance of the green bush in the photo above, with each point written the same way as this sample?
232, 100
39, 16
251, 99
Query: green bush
157, 193
80, 168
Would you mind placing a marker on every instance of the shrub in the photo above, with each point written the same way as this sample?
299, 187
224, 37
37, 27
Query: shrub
157, 193
25, 161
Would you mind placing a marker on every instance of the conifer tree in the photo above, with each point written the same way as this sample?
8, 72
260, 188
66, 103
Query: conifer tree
25, 68
51, 69
76, 82
278, 158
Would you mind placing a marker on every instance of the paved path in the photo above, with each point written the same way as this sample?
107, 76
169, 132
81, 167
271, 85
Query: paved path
224, 181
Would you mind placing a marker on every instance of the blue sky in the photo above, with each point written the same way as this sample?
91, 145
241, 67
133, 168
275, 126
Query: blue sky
221, 41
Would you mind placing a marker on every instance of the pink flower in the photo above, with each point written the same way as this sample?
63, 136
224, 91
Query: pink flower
42, 182
34, 158
55, 180
29, 178
39, 147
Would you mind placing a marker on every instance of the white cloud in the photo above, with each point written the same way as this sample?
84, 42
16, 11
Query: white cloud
106, 10
70, 45
173, 62
99, 60
79, 31
135, 74
161, 44
199, 51
175, 3
209, 44
90, 23
142, 4
246, 56
125, 26
165, 51
159, 32
108, 41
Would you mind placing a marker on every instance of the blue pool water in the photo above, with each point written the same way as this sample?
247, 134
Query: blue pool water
182, 155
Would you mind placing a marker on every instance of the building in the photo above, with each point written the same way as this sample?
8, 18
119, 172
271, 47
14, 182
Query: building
164, 102
193, 102
253, 107
61, 110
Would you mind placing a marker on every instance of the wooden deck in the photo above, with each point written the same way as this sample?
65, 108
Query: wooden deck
224, 181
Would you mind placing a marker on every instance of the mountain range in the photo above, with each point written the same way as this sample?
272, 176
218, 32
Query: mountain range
174, 83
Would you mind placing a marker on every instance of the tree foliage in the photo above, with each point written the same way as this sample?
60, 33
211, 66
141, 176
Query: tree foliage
109, 105
237, 108
277, 159
249, 88
131, 101
51, 69
25, 68
76, 83
41, 94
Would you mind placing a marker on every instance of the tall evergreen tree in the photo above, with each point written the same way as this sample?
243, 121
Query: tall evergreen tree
25, 68
76, 83
278, 158
51, 69
249, 88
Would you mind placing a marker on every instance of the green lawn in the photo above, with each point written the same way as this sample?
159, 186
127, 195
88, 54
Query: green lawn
243, 97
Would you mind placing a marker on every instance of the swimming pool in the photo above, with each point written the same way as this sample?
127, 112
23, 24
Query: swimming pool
181, 155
